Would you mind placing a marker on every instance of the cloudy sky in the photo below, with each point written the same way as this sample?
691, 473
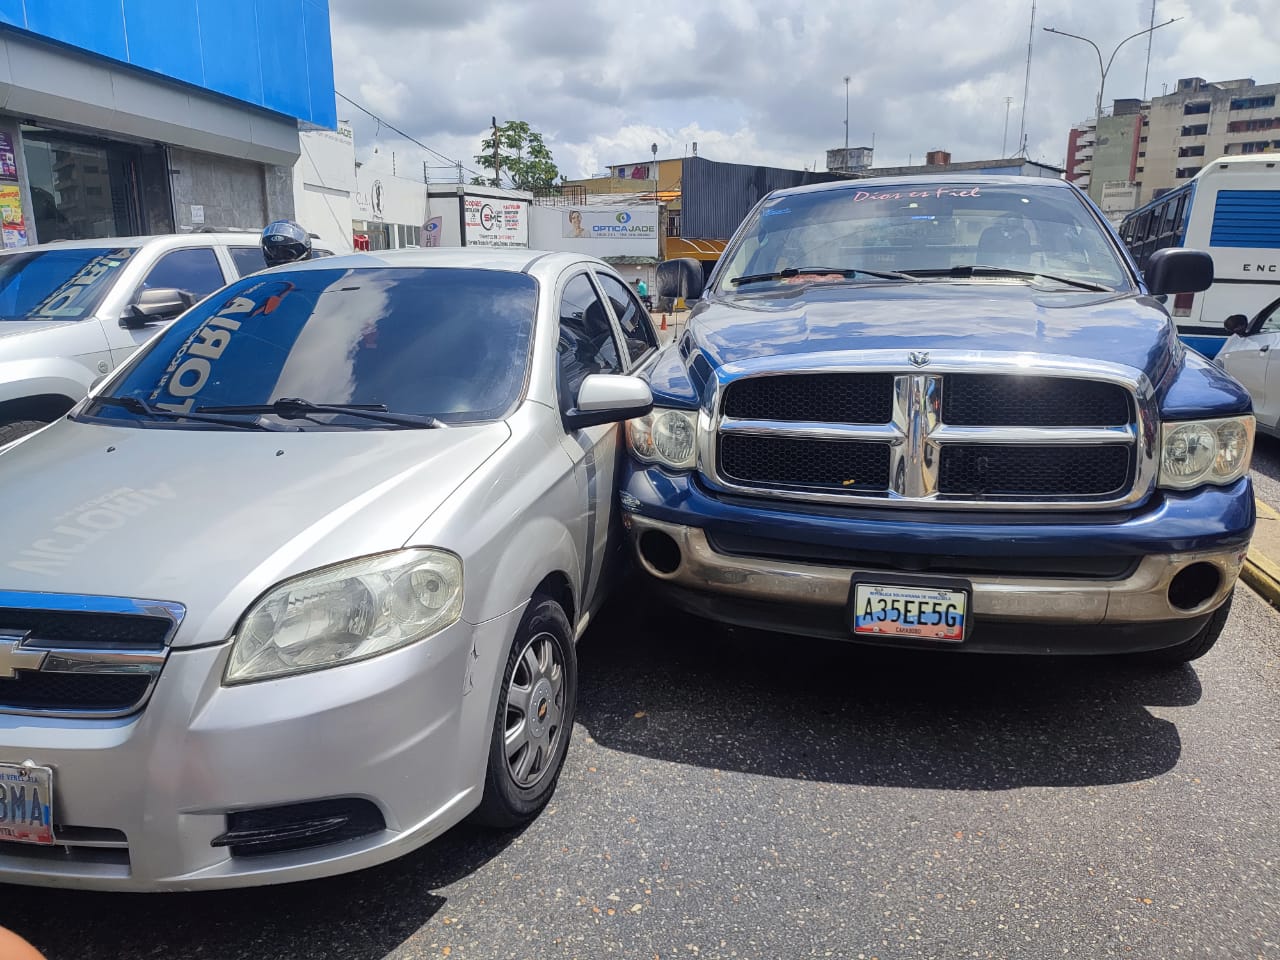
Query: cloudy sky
761, 81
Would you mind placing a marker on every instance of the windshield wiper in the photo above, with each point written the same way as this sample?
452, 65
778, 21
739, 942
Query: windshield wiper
295, 408
977, 270
138, 405
804, 271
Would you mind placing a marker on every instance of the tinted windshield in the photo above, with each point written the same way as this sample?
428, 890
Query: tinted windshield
918, 226
58, 284
448, 343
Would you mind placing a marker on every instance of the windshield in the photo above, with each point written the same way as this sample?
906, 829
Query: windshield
446, 343
65, 284
922, 227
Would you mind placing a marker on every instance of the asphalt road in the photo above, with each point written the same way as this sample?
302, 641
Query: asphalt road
730, 794
1266, 469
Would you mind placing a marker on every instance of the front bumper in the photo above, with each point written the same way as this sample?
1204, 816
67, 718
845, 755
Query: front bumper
1130, 612
138, 801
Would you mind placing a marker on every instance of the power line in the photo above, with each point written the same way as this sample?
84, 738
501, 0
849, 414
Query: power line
452, 164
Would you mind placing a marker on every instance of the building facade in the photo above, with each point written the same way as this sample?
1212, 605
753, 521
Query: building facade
155, 116
1200, 121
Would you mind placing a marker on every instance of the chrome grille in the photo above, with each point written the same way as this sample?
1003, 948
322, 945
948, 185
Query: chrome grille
1021, 433
81, 656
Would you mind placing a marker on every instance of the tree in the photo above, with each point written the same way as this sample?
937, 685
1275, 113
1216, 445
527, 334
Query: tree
523, 158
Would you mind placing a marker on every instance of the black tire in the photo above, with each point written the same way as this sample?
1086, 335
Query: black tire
507, 802
14, 429
1196, 647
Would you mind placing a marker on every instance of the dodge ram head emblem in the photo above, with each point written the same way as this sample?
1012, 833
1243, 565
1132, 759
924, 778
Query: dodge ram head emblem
918, 358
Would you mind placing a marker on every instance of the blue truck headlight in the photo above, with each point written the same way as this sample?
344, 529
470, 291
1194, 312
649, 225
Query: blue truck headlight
351, 611
1196, 452
666, 437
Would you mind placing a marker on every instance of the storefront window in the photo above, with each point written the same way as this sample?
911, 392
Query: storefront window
81, 189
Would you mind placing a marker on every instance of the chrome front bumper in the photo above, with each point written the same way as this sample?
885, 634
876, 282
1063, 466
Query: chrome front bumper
1142, 597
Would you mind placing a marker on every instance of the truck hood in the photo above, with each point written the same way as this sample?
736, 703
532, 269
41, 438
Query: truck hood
15, 328
212, 518
1003, 316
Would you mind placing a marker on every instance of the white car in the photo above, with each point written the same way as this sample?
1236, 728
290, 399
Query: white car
298, 588
72, 311
1250, 356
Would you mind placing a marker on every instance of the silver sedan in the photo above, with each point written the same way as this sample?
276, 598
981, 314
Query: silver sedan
298, 588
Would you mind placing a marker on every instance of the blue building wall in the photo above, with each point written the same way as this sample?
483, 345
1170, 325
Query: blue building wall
275, 54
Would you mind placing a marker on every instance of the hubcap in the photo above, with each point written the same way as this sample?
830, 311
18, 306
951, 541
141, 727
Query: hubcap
535, 711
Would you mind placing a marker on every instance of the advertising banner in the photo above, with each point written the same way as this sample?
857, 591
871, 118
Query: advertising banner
8, 159
640, 223
431, 231
13, 222
494, 222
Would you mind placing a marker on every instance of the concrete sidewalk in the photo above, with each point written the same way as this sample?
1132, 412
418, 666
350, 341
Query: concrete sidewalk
1262, 566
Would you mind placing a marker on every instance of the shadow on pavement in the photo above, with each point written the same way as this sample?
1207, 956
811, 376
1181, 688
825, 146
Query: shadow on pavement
360, 916
782, 706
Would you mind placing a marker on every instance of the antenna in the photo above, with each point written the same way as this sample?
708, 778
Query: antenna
1026, 84
1147, 71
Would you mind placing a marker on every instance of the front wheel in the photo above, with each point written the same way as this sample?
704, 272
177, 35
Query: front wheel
534, 718
1197, 646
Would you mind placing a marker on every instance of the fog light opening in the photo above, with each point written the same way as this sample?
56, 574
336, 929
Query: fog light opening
1194, 585
660, 551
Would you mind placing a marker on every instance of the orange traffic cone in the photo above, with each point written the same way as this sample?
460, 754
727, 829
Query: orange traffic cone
664, 322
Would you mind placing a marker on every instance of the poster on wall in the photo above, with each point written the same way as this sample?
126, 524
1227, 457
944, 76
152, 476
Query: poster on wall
494, 222
8, 159
637, 224
431, 232
13, 223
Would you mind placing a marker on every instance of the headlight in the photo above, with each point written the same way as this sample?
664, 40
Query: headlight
346, 612
665, 437
1205, 451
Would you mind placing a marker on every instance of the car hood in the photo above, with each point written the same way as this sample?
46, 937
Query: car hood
16, 328
1005, 316
211, 518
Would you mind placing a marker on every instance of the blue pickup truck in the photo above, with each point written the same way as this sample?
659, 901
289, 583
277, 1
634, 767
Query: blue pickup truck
943, 413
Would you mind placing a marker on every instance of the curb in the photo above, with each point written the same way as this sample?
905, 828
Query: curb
1259, 570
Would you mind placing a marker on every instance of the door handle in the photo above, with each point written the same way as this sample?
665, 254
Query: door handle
1264, 349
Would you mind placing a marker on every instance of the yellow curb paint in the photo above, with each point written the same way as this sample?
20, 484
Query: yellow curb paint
1260, 571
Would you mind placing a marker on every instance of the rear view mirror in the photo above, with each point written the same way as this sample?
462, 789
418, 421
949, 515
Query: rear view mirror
160, 303
680, 278
1237, 323
609, 398
1178, 270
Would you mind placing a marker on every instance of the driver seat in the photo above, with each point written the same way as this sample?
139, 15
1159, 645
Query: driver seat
1004, 245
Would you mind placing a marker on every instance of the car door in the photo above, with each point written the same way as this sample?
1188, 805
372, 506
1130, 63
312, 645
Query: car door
587, 344
1251, 359
196, 270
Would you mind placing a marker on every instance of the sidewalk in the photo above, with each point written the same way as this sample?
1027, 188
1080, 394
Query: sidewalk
1262, 566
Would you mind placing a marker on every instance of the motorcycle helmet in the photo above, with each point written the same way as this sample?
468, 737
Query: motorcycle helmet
285, 242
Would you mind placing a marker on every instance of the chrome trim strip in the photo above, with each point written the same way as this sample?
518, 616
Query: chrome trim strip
1141, 597
98, 659
917, 403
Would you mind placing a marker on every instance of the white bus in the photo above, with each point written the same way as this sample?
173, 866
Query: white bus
1231, 209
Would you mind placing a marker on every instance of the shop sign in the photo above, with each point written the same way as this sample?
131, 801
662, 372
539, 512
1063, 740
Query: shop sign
13, 221
494, 222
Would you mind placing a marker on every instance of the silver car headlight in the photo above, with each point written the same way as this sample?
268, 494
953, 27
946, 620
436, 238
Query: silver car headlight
1195, 452
351, 611
666, 437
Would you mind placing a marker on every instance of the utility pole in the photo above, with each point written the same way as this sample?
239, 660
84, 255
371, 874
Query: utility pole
1104, 69
846, 120
1004, 142
497, 158
459, 171
1026, 83
1147, 72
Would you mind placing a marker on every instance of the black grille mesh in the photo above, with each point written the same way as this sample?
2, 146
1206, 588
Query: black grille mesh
81, 629
975, 400
985, 470
787, 461
72, 691
820, 397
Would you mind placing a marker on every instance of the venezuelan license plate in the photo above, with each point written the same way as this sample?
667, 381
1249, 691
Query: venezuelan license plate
26, 803
921, 610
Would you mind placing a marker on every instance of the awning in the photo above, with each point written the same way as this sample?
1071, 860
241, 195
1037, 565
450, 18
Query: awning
631, 261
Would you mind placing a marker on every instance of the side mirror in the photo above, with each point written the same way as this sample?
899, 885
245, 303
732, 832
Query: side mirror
680, 278
1237, 323
609, 398
1178, 270
160, 303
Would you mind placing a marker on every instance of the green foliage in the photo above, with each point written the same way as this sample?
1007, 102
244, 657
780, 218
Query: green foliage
523, 158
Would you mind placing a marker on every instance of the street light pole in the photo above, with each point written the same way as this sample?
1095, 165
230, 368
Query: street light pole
1103, 70
846, 120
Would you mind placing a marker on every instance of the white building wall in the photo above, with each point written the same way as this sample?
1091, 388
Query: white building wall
324, 180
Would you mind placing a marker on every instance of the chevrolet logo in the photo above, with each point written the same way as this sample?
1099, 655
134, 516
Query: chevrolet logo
14, 658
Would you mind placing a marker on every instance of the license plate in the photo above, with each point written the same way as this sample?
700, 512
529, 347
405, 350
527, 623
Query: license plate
26, 803
922, 611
